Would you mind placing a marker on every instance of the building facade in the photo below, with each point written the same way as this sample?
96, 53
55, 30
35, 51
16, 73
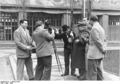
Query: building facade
59, 13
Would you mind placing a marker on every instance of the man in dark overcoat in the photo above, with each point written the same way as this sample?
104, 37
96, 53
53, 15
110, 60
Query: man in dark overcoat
67, 37
78, 58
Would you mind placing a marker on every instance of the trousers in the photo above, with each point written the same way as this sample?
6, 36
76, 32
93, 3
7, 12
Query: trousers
94, 69
20, 68
43, 68
67, 56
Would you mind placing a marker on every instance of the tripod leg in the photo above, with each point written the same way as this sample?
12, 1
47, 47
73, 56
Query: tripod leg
59, 65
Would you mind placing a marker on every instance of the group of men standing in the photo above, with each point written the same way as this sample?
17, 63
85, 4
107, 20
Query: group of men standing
41, 41
84, 44
75, 45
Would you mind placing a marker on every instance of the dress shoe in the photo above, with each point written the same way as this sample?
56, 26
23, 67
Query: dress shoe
31, 79
73, 75
78, 77
81, 78
65, 74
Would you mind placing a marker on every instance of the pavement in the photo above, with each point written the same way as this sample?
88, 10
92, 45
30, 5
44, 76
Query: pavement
5, 67
55, 75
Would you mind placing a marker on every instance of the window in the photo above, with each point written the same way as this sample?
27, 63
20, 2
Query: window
114, 20
55, 19
114, 28
8, 23
77, 17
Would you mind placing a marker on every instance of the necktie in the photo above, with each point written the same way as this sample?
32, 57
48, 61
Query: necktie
27, 35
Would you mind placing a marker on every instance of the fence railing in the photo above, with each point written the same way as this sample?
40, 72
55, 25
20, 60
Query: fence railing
111, 61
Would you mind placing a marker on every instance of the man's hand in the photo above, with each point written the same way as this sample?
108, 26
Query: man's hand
29, 47
104, 52
77, 40
70, 40
33, 44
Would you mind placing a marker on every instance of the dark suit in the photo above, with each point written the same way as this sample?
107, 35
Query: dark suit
22, 40
67, 51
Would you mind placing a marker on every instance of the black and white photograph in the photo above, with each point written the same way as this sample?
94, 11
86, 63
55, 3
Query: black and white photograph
59, 40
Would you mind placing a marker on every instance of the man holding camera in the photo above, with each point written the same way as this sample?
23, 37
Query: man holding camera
43, 37
67, 37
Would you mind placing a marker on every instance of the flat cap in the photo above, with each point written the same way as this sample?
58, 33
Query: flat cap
93, 18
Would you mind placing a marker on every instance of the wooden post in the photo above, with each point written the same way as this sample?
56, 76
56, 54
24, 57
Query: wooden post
72, 10
89, 8
84, 8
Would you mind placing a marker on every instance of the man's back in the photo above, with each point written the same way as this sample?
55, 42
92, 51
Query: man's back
43, 42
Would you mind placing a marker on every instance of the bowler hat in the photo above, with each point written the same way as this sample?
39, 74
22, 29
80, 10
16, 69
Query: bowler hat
81, 23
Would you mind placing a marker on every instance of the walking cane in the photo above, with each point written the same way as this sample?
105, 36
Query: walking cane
86, 60
58, 60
